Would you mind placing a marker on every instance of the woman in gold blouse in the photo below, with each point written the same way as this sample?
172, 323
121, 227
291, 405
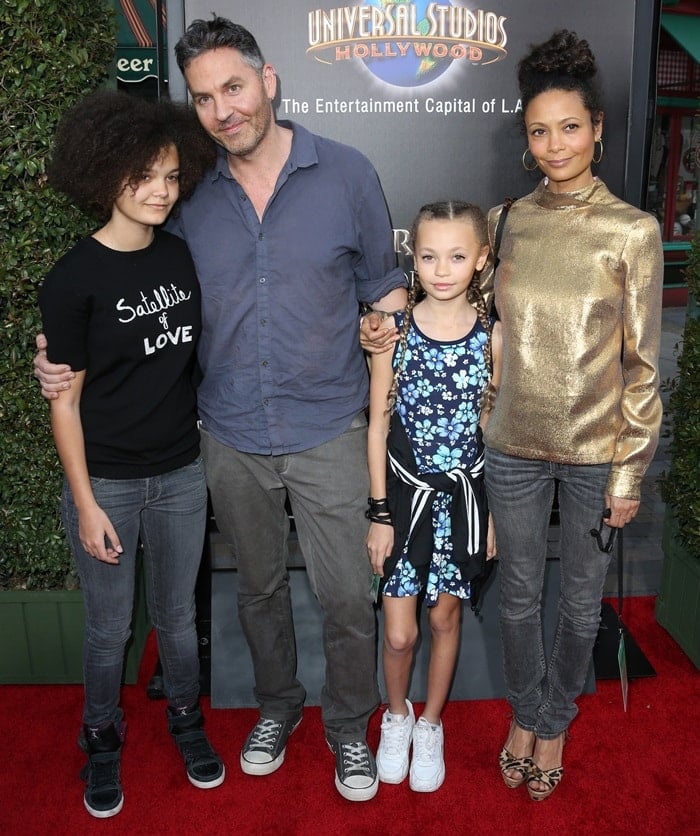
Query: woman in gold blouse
578, 292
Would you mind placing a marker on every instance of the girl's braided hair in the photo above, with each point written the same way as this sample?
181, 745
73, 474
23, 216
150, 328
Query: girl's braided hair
448, 210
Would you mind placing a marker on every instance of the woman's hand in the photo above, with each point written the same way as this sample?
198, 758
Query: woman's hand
374, 337
491, 540
622, 511
54, 377
380, 542
98, 536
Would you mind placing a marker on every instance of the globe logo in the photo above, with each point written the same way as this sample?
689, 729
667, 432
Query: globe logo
406, 44
411, 69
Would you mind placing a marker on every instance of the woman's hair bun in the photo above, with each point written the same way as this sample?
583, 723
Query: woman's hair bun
564, 54
563, 62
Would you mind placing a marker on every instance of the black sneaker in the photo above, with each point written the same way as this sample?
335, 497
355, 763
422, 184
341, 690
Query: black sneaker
155, 690
103, 791
204, 767
355, 770
264, 748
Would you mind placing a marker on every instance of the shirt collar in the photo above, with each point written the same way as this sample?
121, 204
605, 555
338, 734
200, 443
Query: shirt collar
303, 153
567, 200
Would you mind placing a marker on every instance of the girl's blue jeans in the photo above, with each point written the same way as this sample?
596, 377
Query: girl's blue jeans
168, 514
542, 690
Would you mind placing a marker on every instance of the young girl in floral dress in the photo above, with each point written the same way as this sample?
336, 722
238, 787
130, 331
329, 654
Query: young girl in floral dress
429, 520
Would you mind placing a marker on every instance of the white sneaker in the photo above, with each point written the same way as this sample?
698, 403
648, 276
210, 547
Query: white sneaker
428, 763
394, 745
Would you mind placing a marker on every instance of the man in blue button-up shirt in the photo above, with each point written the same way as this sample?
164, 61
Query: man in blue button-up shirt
289, 233
281, 281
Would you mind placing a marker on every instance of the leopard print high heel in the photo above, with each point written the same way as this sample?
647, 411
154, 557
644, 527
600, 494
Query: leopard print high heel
523, 766
549, 777
507, 762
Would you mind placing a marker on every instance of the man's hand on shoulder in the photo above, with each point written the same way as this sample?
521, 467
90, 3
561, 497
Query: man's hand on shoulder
54, 377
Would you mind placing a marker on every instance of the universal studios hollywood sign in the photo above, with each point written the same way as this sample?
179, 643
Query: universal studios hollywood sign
406, 44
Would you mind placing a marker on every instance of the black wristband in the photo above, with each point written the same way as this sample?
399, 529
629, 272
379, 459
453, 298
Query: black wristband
378, 511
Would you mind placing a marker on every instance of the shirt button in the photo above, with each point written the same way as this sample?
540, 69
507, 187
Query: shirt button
263, 322
264, 362
262, 279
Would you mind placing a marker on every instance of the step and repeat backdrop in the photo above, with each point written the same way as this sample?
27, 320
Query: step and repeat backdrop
428, 91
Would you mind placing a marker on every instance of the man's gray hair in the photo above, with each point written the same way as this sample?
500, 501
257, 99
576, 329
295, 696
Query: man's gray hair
204, 35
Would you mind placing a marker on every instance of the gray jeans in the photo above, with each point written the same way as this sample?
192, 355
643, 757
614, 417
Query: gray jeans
542, 691
168, 513
327, 488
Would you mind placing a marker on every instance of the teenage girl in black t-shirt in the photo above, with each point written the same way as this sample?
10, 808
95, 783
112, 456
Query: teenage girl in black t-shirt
123, 309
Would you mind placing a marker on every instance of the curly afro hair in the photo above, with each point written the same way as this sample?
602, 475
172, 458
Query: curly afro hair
109, 138
564, 62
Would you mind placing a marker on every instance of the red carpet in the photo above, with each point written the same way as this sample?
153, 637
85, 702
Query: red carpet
624, 773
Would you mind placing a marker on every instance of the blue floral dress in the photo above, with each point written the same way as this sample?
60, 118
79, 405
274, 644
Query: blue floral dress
438, 402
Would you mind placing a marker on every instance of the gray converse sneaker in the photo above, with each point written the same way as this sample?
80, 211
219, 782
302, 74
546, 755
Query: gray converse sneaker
394, 745
428, 764
355, 770
263, 751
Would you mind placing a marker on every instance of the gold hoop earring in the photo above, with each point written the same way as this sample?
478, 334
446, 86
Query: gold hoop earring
600, 156
532, 168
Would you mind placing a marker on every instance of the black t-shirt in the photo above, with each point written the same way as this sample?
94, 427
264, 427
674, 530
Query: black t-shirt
131, 320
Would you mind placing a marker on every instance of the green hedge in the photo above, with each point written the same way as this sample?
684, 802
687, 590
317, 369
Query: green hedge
52, 53
680, 488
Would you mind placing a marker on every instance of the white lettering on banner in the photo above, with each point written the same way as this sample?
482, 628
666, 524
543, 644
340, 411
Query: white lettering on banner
401, 242
160, 299
366, 106
400, 21
183, 334
134, 65
517, 107
442, 107
420, 40
448, 106
396, 49
293, 106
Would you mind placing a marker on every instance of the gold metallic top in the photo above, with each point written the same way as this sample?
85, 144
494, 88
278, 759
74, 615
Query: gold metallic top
578, 291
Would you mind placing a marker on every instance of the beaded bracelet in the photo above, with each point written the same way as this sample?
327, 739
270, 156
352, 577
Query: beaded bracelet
378, 511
